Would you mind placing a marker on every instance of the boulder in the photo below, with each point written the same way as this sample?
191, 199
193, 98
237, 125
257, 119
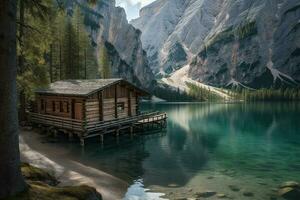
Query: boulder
221, 196
292, 184
206, 194
234, 188
290, 193
248, 194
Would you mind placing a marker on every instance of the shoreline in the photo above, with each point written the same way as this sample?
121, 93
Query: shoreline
66, 170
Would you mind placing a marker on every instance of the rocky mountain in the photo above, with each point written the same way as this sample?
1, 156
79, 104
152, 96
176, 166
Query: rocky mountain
251, 43
110, 30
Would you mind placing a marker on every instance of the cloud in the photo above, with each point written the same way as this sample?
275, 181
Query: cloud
132, 7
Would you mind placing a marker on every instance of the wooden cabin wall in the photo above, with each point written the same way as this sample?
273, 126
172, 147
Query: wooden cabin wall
61, 106
134, 103
92, 110
123, 98
117, 101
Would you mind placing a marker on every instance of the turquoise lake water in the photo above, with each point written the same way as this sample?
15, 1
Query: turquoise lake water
208, 147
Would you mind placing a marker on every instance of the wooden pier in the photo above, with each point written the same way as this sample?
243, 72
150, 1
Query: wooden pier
85, 129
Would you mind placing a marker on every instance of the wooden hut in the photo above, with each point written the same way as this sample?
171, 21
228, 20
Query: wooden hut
89, 106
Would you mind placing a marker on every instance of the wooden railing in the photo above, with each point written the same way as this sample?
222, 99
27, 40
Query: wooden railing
89, 127
95, 126
59, 122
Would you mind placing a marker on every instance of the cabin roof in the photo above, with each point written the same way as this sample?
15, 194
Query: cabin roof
83, 87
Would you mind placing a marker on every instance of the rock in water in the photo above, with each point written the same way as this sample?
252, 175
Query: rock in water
290, 190
289, 193
234, 188
206, 194
248, 194
292, 184
221, 196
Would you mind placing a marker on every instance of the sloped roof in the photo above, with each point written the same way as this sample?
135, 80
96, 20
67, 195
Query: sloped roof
82, 87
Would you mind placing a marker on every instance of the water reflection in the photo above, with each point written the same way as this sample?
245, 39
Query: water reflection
257, 140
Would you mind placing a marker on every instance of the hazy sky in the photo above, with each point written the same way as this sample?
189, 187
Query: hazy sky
132, 7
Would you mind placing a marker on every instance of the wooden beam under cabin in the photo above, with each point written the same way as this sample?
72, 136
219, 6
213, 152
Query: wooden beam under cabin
100, 98
116, 100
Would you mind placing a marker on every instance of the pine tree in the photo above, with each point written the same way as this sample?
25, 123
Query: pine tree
104, 63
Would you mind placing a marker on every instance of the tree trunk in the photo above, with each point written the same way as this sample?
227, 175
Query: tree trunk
22, 97
11, 180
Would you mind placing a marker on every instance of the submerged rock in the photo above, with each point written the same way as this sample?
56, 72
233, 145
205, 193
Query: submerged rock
292, 184
289, 193
289, 190
234, 188
221, 196
206, 194
248, 194
172, 185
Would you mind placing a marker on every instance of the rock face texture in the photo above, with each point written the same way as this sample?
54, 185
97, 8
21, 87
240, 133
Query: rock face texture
109, 29
226, 42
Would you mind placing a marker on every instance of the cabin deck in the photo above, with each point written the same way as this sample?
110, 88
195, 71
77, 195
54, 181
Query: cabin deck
100, 128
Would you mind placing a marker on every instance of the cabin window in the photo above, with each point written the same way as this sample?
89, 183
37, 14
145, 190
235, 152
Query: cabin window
121, 107
53, 106
42, 104
61, 108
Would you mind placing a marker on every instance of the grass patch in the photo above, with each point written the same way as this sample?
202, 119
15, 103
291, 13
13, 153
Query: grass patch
247, 30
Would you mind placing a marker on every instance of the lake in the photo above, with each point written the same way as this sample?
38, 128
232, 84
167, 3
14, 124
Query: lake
244, 151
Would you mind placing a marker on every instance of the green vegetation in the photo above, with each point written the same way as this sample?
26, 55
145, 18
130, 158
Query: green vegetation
104, 63
282, 94
229, 35
202, 94
52, 44
32, 173
246, 30
172, 95
43, 186
223, 38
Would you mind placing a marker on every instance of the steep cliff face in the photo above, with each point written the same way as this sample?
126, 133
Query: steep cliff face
225, 42
254, 43
109, 29
173, 31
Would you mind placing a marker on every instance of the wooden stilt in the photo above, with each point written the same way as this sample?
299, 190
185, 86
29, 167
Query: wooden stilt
82, 141
70, 136
54, 133
117, 135
131, 132
102, 139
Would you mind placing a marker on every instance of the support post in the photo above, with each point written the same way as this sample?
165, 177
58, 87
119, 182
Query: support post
116, 101
82, 142
55, 133
102, 139
70, 136
117, 135
131, 131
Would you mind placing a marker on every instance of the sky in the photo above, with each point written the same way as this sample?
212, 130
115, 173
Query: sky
132, 7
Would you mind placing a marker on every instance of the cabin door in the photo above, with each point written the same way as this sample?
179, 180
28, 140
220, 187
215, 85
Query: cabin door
77, 110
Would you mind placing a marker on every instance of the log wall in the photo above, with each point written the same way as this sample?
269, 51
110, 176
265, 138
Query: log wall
117, 101
92, 110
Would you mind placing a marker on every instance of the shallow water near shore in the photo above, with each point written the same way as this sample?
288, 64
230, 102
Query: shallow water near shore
244, 151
